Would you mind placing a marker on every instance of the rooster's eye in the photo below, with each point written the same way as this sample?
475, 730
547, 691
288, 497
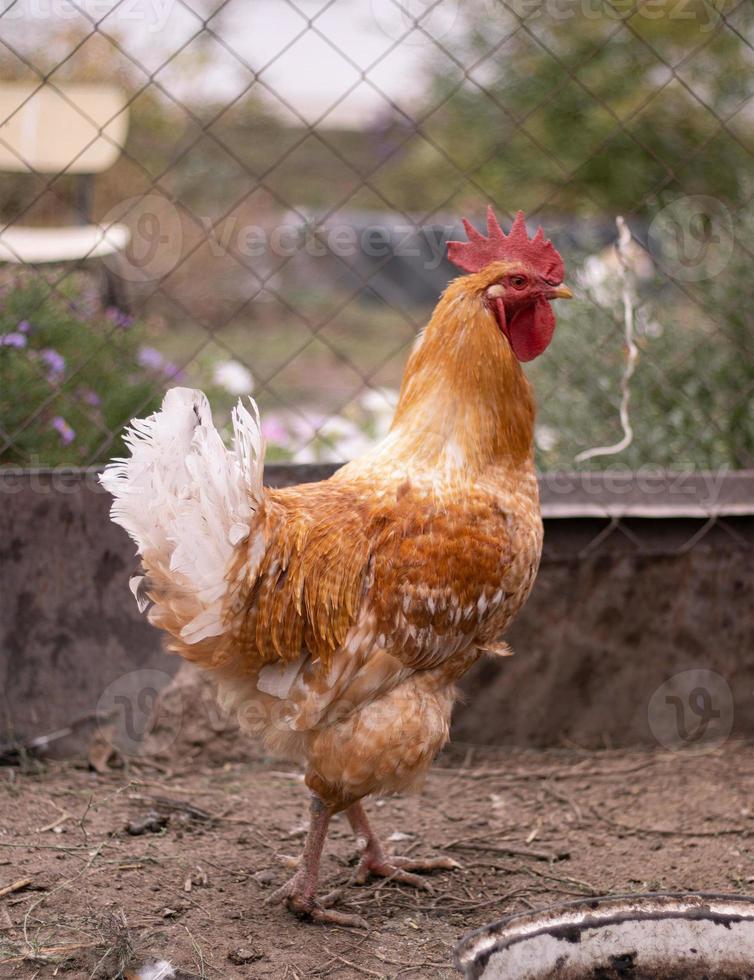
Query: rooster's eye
518, 282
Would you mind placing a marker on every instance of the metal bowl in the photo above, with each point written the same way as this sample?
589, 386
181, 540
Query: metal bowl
624, 937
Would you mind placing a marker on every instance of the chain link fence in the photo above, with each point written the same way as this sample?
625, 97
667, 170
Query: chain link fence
278, 183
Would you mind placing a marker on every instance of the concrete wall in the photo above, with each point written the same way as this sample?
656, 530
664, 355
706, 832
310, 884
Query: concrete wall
610, 620
640, 639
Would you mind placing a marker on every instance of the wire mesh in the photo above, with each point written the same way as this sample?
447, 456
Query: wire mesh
293, 170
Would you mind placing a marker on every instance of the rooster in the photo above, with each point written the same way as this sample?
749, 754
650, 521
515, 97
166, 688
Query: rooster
338, 616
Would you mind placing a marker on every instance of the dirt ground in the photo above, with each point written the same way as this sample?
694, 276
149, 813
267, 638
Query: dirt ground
80, 896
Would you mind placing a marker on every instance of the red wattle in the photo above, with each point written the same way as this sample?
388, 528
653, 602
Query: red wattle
530, 330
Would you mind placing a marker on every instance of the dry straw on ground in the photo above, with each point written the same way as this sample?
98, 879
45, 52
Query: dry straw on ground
531, 828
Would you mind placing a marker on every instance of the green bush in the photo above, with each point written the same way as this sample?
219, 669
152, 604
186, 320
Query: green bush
71, 374
691, 394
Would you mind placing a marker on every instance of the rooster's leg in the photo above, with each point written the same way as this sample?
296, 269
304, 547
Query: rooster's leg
374, 860
299, 893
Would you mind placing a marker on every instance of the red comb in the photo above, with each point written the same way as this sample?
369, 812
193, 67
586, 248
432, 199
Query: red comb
537, 252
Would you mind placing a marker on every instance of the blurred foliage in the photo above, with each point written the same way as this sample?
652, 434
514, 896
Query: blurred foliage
594, 106
70, 374
690, 398
693, 390
586, 107
540, 104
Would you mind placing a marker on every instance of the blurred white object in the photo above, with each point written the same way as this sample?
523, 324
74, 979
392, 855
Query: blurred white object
545, 437
380, 405
234, 377
161, 970
336, 441
61, 128
380, 401
53, 128
316, 438
629, 299
602, 274
34, 246
601, 278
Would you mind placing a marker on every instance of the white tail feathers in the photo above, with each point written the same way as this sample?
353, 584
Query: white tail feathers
187, 501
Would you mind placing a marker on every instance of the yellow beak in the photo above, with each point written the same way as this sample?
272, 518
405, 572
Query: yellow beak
560, 292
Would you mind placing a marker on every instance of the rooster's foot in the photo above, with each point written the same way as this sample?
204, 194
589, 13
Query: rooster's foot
400, 869
374, 861
318, 912
295, 895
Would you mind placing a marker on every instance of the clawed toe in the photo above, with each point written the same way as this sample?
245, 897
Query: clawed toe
392, 873
328, 900
289, 861
318, 913
400, 869
283, 893
428, 864
374, 861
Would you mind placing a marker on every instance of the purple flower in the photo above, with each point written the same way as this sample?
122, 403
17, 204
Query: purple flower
118, 317
66, 433
153, 360
24, 326
91, 397
54, 361
12, 340
171, 370
150, 358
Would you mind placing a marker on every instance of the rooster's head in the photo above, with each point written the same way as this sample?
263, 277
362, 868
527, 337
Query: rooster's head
515, 278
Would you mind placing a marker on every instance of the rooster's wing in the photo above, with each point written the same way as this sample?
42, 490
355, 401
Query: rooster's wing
352, 590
